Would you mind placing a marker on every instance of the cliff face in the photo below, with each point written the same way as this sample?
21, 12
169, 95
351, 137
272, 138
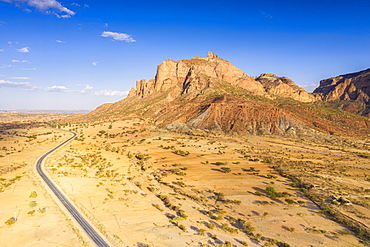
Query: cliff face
199, 73
354, 86
284, 87
209, 94
350, 92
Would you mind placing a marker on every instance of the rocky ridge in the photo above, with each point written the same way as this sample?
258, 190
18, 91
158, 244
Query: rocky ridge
210, 95
352, 91
199, 73
354, 86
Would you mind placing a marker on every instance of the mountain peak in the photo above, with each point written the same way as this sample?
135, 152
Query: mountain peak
196, 75
212, 55
211, 95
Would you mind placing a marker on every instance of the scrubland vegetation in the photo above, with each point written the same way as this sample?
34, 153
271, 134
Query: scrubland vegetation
142, 186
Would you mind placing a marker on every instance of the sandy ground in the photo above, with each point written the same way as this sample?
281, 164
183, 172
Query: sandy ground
47, 226
129, 181
128, 207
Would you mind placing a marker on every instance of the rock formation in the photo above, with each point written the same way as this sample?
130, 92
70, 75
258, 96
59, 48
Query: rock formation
209, 94
350, 92
284, 87
354, 86
199, 73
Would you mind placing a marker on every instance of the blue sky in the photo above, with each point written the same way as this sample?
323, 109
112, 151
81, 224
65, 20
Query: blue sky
71, 55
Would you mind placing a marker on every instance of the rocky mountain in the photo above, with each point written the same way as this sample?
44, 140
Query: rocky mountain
350, 92
284, 87
199, 73
209, 94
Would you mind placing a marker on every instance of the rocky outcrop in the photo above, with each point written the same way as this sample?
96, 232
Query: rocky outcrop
354, 86
199, 73
284, 87
209, 94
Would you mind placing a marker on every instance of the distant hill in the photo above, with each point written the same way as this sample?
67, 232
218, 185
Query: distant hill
209, 94
47, 111
350, 92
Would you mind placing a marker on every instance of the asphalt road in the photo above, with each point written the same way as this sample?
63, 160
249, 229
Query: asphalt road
79, 218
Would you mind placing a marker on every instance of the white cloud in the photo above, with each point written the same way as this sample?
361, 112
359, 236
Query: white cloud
87, 89
19, 61
118, 36
19, 78
107, 92
59, 41
63, 16
63, 89
1, 50
4, 66
28, 68
94, 63
24, 85
24, 50
45, 6
57, 89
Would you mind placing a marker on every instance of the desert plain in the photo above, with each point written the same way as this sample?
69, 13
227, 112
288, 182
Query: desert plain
145, 186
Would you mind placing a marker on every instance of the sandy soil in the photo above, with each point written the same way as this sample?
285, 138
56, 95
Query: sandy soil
121, 192
47, 226
144, 187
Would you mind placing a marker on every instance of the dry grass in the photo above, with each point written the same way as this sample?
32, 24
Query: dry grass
142, 186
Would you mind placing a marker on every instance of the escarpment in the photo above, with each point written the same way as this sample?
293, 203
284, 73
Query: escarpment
209, 94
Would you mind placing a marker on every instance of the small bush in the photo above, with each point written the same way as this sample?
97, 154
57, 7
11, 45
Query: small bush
202, 231
31, 212
182, 227
226, 169
33, 204
211, 225
42, 210
289, 201
10, 221
33, 194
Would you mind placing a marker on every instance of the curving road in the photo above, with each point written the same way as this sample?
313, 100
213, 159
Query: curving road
80, 219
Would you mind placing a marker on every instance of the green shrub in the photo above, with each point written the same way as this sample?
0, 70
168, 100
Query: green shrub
10, 222
271, 192
31, 212
33, 194
33, 204
202, 231
226, 169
